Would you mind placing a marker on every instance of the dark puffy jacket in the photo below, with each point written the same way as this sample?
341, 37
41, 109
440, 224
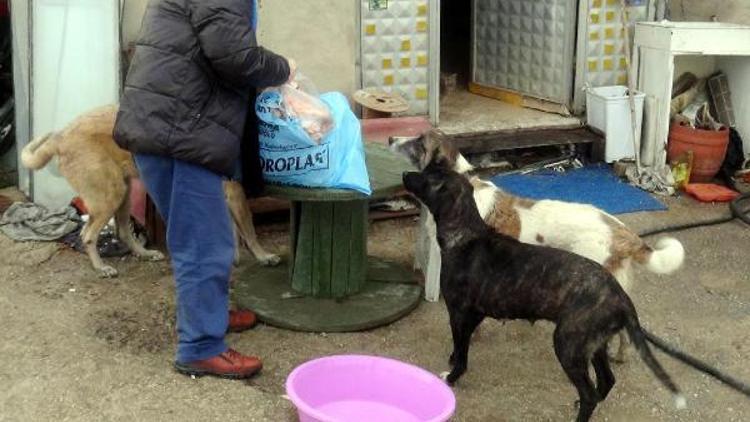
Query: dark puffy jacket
188, 91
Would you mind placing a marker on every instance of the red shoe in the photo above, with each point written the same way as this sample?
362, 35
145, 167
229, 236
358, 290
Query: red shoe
241, 320
230, 364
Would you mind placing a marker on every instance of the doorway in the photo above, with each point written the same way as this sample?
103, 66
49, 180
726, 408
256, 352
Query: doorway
8, 162
498, 56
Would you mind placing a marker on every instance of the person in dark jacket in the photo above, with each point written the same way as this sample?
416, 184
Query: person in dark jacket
183, 113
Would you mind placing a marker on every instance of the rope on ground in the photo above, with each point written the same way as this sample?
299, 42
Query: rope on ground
739, 209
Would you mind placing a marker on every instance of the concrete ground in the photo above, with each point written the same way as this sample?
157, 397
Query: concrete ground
81, 348
463, 112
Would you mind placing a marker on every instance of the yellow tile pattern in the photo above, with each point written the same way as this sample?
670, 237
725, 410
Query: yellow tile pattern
605, 52
395, 50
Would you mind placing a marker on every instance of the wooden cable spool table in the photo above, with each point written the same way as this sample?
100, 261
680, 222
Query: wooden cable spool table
328, 283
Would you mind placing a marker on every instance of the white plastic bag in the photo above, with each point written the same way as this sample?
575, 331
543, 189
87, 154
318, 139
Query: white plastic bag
300, 106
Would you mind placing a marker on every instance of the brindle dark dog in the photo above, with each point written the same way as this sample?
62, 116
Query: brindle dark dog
488, 274
485, 273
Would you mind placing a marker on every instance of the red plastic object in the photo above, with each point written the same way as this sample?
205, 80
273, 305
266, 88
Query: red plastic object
378, 130
709, 148
138, 201
78, 204
709, 192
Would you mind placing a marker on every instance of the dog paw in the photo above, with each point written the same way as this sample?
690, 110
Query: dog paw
107, 272
152, 255
451, 377
269, 260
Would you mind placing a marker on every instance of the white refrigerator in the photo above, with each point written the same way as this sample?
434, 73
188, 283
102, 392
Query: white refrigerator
66, 61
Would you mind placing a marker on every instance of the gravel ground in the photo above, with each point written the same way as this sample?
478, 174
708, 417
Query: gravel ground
81, 348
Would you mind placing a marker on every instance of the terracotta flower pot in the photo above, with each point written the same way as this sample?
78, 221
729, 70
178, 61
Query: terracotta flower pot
709, 148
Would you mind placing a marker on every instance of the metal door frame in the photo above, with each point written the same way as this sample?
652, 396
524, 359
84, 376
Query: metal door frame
434, 62
21, 27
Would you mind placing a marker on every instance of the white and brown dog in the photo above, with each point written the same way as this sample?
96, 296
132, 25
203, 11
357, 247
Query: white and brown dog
578, 228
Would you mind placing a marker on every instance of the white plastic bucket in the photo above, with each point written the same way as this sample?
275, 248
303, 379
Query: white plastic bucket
608, 110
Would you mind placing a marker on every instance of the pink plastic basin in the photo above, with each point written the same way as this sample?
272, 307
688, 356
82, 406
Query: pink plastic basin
356, 388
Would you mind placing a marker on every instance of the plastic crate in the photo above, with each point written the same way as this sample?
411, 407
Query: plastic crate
608, 111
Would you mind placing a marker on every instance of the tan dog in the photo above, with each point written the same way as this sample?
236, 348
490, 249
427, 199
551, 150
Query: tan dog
244, 229
100, 172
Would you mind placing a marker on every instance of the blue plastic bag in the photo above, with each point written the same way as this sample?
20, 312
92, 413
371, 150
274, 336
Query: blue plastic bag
290, 156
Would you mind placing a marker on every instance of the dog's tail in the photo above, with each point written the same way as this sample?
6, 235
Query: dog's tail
638, 338
672, 351
665, 258
40, 151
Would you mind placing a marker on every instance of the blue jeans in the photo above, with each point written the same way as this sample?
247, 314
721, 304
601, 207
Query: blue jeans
191, 201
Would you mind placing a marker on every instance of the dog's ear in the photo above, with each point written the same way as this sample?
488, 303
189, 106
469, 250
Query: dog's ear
433, 139
436, 185
439, 150
430, 143
449, 153
439, 160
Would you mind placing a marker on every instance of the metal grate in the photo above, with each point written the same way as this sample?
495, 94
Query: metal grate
525, 46
722, 99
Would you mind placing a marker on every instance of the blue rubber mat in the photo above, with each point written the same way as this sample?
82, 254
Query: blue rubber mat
594, 184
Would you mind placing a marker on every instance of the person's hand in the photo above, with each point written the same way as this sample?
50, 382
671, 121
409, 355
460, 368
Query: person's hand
292, 69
